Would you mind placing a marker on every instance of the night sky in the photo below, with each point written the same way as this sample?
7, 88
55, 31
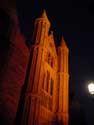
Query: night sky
75, 20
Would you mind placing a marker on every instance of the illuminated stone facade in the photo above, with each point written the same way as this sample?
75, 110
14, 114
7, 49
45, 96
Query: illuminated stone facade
45, 83
46, 96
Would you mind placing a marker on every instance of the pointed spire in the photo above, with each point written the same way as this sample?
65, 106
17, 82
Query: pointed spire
63, 43
44, 17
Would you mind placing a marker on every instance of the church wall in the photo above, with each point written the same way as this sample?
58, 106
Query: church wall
48, 103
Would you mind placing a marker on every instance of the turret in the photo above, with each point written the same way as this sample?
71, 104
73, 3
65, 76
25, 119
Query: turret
63, 81
63, 56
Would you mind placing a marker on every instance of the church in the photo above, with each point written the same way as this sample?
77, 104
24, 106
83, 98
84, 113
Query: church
34, 81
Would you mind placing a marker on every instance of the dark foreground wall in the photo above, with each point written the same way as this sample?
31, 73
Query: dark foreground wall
12, 74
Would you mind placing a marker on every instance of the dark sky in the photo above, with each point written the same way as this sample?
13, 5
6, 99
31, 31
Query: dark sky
75, 20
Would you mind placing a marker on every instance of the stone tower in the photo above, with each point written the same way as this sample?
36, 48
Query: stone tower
63, 78
46, 94
32, 99
41, 70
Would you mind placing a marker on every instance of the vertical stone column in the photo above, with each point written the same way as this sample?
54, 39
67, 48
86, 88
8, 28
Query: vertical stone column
63, 78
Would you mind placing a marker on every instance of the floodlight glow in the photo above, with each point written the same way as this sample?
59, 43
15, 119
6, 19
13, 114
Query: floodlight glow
91, 88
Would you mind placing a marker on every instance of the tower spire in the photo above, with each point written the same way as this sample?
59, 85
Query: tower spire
41, 29
44, 17
63, 43
63, 77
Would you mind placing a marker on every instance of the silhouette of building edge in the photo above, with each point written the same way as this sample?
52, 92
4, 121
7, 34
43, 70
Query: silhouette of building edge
34, 80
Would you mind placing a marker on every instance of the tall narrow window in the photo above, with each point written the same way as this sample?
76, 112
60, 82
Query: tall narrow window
44, 77
49, 59
51, 62
51, 88
47, 81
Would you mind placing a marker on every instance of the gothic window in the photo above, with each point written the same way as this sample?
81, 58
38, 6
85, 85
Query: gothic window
47, 91
50, 104
51, 87
45, 84
50, 60
44, 81
47, 81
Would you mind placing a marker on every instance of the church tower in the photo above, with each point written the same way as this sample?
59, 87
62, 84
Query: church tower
34, 84
46, 88
63, 78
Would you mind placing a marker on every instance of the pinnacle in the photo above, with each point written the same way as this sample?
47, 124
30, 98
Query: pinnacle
44, 15
63, 43
43, 18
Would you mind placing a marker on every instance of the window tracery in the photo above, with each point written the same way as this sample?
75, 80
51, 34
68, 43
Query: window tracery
50, 60
47, 91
